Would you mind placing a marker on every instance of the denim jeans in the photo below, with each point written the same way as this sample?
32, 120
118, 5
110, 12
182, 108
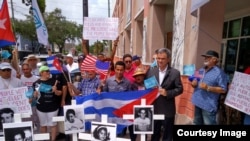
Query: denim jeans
203, 117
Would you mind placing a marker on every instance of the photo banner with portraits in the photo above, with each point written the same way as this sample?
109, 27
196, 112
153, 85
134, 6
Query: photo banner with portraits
103, 131
21, 131
16, 99
74, 119
143, 119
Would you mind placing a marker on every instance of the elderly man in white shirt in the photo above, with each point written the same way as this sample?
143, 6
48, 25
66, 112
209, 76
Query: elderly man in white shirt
7, 81
71, 65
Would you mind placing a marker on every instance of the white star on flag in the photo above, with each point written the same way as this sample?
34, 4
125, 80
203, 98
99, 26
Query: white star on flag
2, 22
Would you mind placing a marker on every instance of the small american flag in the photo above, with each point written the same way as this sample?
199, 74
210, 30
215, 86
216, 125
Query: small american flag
102, 67
88, 63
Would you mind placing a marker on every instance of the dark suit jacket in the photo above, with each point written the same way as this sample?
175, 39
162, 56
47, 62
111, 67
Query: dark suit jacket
173, 85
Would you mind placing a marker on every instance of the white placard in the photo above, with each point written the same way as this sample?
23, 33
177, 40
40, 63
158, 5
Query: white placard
100, 28
16, 99
238, 96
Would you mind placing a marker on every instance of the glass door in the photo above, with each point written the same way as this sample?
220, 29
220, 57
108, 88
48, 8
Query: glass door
231, 57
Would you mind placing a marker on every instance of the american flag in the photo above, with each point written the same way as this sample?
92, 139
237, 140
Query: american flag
102, 67
88, 63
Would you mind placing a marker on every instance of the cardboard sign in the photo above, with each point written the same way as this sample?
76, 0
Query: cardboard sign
100, 28
15, 98
238, 96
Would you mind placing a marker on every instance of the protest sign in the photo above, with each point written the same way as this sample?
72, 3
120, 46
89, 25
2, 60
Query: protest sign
238, 96
15, 98
100, 28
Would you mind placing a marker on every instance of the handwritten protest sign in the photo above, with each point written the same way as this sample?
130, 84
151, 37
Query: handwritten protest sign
238, 96
100, 28
15, 98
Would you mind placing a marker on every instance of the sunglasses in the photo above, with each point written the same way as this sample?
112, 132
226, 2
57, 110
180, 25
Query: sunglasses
128, 61
8, 70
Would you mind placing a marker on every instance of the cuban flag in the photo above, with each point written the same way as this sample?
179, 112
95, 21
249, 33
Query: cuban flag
54, 65
115, 104
6, 35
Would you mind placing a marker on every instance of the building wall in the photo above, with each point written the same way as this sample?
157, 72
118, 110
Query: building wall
200, 34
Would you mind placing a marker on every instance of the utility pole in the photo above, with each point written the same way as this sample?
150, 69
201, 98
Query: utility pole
12, 9
109, 42
85, 11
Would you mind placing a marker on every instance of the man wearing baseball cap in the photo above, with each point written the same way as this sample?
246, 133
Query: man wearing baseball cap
208, 89
7, 81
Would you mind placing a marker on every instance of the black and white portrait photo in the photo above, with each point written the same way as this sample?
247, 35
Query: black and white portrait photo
6, 116
18, 131
74, 119
103, 132
143, 122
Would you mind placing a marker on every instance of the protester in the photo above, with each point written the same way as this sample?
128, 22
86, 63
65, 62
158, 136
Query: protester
47, 92
71, 65
136, 61
118, 83
207, 91
138, 84
32, 60
28, 79
170, 86
7, 81
6, 57
129, 69
139, 76
87, 86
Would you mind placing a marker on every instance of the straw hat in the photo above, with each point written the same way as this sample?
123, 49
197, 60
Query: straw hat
32, 56
139, 71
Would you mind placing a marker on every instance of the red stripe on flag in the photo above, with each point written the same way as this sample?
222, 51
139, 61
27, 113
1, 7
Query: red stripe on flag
88, 63
128, 108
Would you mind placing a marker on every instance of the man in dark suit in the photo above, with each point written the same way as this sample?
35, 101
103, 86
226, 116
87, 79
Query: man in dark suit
170, 86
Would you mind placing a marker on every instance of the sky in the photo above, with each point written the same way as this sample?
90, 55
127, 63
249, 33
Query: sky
71, 9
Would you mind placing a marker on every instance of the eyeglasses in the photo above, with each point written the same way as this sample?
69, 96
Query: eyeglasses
4, 70
128, 61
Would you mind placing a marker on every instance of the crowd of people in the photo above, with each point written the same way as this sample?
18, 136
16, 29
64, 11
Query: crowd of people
52, 91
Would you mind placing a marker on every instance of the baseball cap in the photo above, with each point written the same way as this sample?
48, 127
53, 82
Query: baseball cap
135, 57
5, 65
43, 68
211, 53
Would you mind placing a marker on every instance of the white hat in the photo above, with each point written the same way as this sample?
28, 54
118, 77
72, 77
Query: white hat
5, 65
69, 55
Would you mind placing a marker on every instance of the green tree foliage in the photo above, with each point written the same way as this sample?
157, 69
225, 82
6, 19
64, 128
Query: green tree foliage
60, 30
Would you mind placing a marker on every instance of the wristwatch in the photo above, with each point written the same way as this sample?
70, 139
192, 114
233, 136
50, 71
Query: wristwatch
208, 88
